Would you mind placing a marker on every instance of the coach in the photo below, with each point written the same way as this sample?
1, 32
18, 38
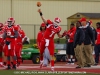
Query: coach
78, 44
88, 41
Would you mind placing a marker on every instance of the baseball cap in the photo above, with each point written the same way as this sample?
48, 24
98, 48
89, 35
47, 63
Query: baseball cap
98, 23
72, 24
43, 25
82, 19
90, 22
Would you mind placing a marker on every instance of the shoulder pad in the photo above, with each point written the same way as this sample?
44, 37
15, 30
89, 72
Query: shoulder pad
49, 22
16, 28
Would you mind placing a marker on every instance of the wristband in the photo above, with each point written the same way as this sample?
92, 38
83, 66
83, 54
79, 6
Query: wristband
41, 14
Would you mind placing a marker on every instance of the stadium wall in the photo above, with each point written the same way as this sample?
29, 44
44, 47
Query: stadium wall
25, 11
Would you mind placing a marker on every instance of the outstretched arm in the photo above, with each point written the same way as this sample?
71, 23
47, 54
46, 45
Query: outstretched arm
61, 35
44, 20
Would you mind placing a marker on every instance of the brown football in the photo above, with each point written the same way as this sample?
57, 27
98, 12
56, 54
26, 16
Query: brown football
38, 4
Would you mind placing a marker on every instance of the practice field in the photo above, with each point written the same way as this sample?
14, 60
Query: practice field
60, 69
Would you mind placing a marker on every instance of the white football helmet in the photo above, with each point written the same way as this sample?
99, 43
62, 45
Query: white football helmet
11, 21
57, 21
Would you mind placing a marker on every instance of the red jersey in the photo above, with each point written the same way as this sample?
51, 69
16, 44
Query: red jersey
10, 31
71, 34
20, 36
98, 36
39, 37
51, 30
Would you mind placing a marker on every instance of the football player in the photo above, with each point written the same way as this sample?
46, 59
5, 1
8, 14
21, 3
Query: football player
19, 44
10, 35
47, 42
1, 43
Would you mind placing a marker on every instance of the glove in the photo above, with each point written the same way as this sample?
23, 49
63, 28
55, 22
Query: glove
64, 33
7, 42
68, 35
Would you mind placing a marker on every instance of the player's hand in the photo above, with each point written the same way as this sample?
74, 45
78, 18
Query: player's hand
67, 37
39, 10
64, 33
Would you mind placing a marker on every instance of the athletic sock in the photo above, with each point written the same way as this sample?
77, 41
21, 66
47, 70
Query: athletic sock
19, 60
52, 63
14, 60
8, 60
41, 58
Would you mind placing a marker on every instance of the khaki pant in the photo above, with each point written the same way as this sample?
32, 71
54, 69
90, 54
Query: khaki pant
88, 53
92, 57
79, 55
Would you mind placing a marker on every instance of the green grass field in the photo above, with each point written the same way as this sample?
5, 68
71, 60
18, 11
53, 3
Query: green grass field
62, 41
33, 41
17, 72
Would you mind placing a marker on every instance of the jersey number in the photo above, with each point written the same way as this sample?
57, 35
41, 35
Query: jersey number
52, 33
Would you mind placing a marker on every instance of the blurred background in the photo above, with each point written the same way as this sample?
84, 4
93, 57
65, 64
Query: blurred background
25, 12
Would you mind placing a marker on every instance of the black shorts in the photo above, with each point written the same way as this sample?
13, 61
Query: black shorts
70, 49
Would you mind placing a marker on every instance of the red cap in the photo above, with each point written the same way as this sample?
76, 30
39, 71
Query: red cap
43, 25
82, 19
90, 22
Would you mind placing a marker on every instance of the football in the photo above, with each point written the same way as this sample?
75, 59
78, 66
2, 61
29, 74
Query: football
38, 4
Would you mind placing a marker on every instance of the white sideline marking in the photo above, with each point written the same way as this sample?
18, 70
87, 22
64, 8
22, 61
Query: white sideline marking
92, 67
66, 66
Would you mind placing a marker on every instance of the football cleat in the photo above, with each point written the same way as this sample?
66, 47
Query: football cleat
41, 65
1, 65
52, 69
